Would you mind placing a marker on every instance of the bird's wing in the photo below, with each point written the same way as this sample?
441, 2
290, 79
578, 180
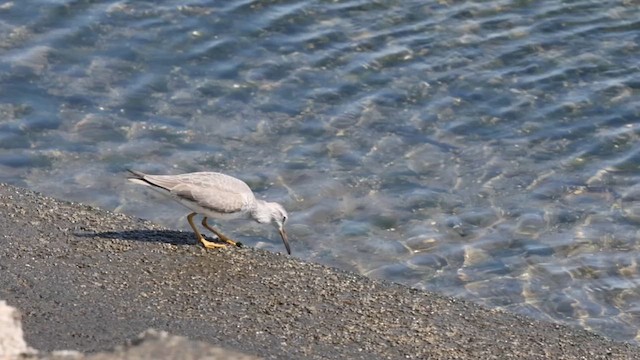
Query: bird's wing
215, 191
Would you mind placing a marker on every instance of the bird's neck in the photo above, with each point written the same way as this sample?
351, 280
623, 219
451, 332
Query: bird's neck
261, 212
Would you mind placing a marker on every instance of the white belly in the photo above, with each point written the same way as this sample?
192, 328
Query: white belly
214, 214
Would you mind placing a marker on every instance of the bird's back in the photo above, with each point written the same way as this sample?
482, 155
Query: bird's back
215, 191
212, 180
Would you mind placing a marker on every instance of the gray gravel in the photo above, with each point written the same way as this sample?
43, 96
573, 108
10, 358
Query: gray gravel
88, 279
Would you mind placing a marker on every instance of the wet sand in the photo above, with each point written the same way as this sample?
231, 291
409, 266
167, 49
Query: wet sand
89, 280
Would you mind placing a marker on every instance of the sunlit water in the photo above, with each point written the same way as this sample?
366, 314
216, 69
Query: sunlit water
486, 150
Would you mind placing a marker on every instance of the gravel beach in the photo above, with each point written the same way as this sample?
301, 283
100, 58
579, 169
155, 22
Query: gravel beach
89, 280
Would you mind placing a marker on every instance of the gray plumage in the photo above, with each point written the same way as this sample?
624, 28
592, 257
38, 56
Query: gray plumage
215, 195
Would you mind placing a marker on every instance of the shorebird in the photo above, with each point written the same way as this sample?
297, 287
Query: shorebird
215, 195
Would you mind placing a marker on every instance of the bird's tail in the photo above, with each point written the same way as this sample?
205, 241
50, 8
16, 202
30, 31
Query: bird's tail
138, 177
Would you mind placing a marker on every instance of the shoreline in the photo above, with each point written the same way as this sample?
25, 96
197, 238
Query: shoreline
88, 279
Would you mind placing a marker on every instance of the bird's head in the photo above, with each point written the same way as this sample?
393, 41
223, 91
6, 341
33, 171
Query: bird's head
278, 217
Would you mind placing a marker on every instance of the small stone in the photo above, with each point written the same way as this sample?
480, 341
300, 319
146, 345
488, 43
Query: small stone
12, 342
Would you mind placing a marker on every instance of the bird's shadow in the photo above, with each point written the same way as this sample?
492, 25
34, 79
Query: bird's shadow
172, 237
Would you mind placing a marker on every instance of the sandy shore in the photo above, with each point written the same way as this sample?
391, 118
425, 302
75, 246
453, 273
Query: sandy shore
89, 280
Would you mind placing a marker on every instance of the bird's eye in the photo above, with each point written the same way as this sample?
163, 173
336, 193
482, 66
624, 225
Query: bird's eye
284, 219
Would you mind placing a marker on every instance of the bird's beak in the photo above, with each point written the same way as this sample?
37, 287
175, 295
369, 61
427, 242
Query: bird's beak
283, 234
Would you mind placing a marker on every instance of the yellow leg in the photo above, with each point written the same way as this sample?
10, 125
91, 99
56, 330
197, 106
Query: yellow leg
205, 243
220, 235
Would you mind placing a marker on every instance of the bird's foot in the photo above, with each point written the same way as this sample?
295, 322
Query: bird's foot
211, 245
220, 235
229, 241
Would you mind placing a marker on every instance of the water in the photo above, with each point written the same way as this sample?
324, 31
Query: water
486, 150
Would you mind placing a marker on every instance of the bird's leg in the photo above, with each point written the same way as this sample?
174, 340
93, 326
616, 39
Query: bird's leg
220, 235
205, 243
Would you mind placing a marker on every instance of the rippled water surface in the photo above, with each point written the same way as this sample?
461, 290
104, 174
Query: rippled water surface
486, 150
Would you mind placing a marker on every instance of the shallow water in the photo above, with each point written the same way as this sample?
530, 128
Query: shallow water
486, 150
